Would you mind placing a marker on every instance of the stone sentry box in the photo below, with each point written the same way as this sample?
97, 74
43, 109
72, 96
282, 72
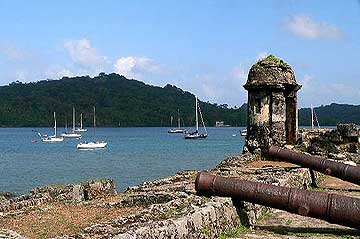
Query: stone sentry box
272, 105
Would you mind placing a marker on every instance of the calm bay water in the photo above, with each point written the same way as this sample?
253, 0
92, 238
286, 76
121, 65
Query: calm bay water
134, 155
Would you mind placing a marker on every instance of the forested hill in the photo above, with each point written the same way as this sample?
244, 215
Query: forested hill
331, 114
123, 102
119, 102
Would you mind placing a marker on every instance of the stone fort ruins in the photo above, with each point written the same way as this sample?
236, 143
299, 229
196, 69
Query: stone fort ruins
272, 105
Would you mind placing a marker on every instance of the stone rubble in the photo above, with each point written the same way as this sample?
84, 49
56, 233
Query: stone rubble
23, 201
8, 234
341, 143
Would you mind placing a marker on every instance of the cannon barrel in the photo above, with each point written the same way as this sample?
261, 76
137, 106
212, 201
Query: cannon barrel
340, 170
330, 207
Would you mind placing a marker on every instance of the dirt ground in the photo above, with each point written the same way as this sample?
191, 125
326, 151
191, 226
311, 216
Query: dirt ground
57, 219
264, 163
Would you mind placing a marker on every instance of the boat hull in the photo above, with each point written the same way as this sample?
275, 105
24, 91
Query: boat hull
76, 136
176, 131
92, 145
52, 140
80, 130
195, 136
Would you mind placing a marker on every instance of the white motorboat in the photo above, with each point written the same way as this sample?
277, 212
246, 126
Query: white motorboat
92, 144
176, 131
72, 134
81, 129
196, 134
52, 138
243, 132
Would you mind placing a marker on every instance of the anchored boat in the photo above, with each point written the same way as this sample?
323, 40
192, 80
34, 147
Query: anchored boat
177, 130
81, 129
92, 144
52, 138
196, 134
72, 134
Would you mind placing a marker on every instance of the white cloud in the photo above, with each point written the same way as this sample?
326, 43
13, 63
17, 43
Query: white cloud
306, 27
136, 67
58, 72
82, 53
240, 73
220, 88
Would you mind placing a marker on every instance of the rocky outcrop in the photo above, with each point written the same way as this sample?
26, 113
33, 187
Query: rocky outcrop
8, 234
24, 201
79, 192
341, 143
171, 208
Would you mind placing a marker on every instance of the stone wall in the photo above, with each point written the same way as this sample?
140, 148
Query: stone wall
70, 193
272, 105
341, 143
24, 201
79, 192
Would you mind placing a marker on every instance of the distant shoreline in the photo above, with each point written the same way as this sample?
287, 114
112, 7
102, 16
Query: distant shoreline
62, 127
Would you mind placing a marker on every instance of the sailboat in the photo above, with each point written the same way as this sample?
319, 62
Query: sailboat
72, 134
177, 130
196, 134
313, 116
53, 138
92, 144
81, 129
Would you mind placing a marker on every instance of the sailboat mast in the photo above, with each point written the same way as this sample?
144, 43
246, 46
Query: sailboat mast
178, 119
73, 118
54, 124
81, 124
312, 116
196, 114
94, 118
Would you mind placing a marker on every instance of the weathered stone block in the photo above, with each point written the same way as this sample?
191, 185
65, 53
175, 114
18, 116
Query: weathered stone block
348, 130
99, 188
79, 192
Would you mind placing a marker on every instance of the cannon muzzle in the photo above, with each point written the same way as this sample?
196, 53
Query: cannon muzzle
330, 207
340, 170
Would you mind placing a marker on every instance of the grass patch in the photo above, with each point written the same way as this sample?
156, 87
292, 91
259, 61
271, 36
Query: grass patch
264, 215
301, 148
236, 232
288, 222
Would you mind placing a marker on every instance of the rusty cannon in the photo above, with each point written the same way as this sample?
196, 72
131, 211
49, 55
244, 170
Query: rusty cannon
330, 207
340, 170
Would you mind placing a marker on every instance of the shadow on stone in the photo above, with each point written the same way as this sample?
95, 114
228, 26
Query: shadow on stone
242, 212
286, 230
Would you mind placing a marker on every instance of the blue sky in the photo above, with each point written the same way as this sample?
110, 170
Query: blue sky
206, 47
